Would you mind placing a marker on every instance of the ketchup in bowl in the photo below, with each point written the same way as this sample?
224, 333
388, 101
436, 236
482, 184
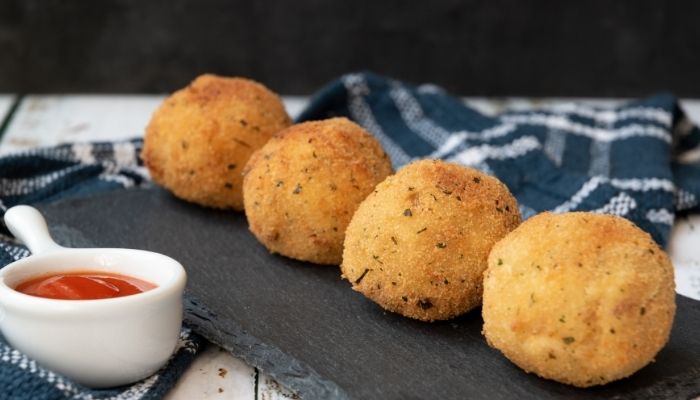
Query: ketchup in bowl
83, 286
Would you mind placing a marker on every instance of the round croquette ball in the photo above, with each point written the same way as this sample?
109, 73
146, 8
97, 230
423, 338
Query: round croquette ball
580, 298
201, 137
418, 244
301, 189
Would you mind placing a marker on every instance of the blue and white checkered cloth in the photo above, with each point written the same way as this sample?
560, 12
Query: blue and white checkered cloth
61, 172
640, 161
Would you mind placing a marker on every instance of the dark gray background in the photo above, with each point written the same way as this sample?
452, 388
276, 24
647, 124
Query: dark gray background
494, 48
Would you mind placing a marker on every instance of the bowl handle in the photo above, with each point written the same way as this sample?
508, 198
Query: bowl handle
29, 226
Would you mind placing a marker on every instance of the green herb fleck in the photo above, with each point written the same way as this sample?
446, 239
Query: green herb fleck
407, 212
358, 280
231, 166
393, 239
562, 319
500, 262
642, 311
376, 258
424, 304
477, 179
422, 230
441, 245
404, 298
242, 143
568, 339
297, 189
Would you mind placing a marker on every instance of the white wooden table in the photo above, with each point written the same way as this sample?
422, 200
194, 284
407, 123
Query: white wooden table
39, 120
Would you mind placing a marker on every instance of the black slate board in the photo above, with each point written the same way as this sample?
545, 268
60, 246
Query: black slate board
305, 327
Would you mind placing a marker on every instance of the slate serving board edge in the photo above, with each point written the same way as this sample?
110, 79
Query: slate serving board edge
303, 379
297, 376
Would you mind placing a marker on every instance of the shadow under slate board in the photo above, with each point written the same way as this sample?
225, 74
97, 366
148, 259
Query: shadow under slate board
304, 326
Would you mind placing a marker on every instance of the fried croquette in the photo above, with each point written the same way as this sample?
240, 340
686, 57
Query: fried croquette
200, 138
580, 298
301, 189
418, 245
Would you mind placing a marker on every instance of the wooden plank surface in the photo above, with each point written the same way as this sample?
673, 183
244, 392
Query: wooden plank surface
270, 389
215, 374
46, 120
5, 103
49, 120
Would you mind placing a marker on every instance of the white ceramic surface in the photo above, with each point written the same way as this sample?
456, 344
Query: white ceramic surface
99, 343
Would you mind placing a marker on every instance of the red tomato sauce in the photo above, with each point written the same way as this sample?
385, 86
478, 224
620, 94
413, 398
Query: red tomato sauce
83, 286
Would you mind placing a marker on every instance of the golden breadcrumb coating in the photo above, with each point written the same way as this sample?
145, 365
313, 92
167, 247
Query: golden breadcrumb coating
301, 189
418, 244
200, 138
579, 298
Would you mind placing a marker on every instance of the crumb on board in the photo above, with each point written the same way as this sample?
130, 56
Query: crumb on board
223, 372
272, 389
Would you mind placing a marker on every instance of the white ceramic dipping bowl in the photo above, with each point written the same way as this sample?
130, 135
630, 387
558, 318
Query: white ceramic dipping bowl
98, 343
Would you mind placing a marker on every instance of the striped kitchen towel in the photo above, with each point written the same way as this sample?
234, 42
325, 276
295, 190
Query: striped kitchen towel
640, 160
61, 172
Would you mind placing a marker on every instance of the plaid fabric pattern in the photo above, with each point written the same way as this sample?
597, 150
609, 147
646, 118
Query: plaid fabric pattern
62, 172
640, 161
